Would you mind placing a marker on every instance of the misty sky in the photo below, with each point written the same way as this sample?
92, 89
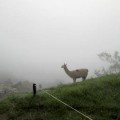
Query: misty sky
38, 36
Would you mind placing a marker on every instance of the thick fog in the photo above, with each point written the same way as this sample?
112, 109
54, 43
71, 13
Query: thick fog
38, 36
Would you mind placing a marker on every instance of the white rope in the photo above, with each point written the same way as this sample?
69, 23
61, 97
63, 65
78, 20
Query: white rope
67, 105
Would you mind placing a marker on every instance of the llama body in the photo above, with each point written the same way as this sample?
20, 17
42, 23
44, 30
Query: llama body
74, 74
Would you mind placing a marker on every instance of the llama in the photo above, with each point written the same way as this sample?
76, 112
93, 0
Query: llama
78, 73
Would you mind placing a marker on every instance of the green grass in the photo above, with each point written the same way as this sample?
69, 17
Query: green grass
99, 98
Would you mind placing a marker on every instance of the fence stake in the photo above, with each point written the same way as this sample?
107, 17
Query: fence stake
34, 89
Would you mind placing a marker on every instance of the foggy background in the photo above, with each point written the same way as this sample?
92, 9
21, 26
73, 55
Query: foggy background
38, 36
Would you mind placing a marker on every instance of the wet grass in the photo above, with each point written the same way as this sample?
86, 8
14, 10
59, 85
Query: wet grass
98, 98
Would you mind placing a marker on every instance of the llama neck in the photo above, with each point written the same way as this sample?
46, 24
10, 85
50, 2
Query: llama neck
67, 71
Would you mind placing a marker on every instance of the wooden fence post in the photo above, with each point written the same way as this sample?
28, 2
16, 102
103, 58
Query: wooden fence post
34, 89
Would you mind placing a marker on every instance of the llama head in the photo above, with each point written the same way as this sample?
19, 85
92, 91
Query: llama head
64, 66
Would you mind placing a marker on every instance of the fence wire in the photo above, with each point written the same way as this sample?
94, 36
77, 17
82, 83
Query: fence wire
66, 104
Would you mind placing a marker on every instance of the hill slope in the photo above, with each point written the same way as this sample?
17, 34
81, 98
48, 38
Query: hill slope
99, 98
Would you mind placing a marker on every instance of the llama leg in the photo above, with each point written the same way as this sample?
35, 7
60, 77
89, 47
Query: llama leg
83, 78
74, 80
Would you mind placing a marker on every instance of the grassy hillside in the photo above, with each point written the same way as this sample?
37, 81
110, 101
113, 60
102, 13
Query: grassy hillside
99, 98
